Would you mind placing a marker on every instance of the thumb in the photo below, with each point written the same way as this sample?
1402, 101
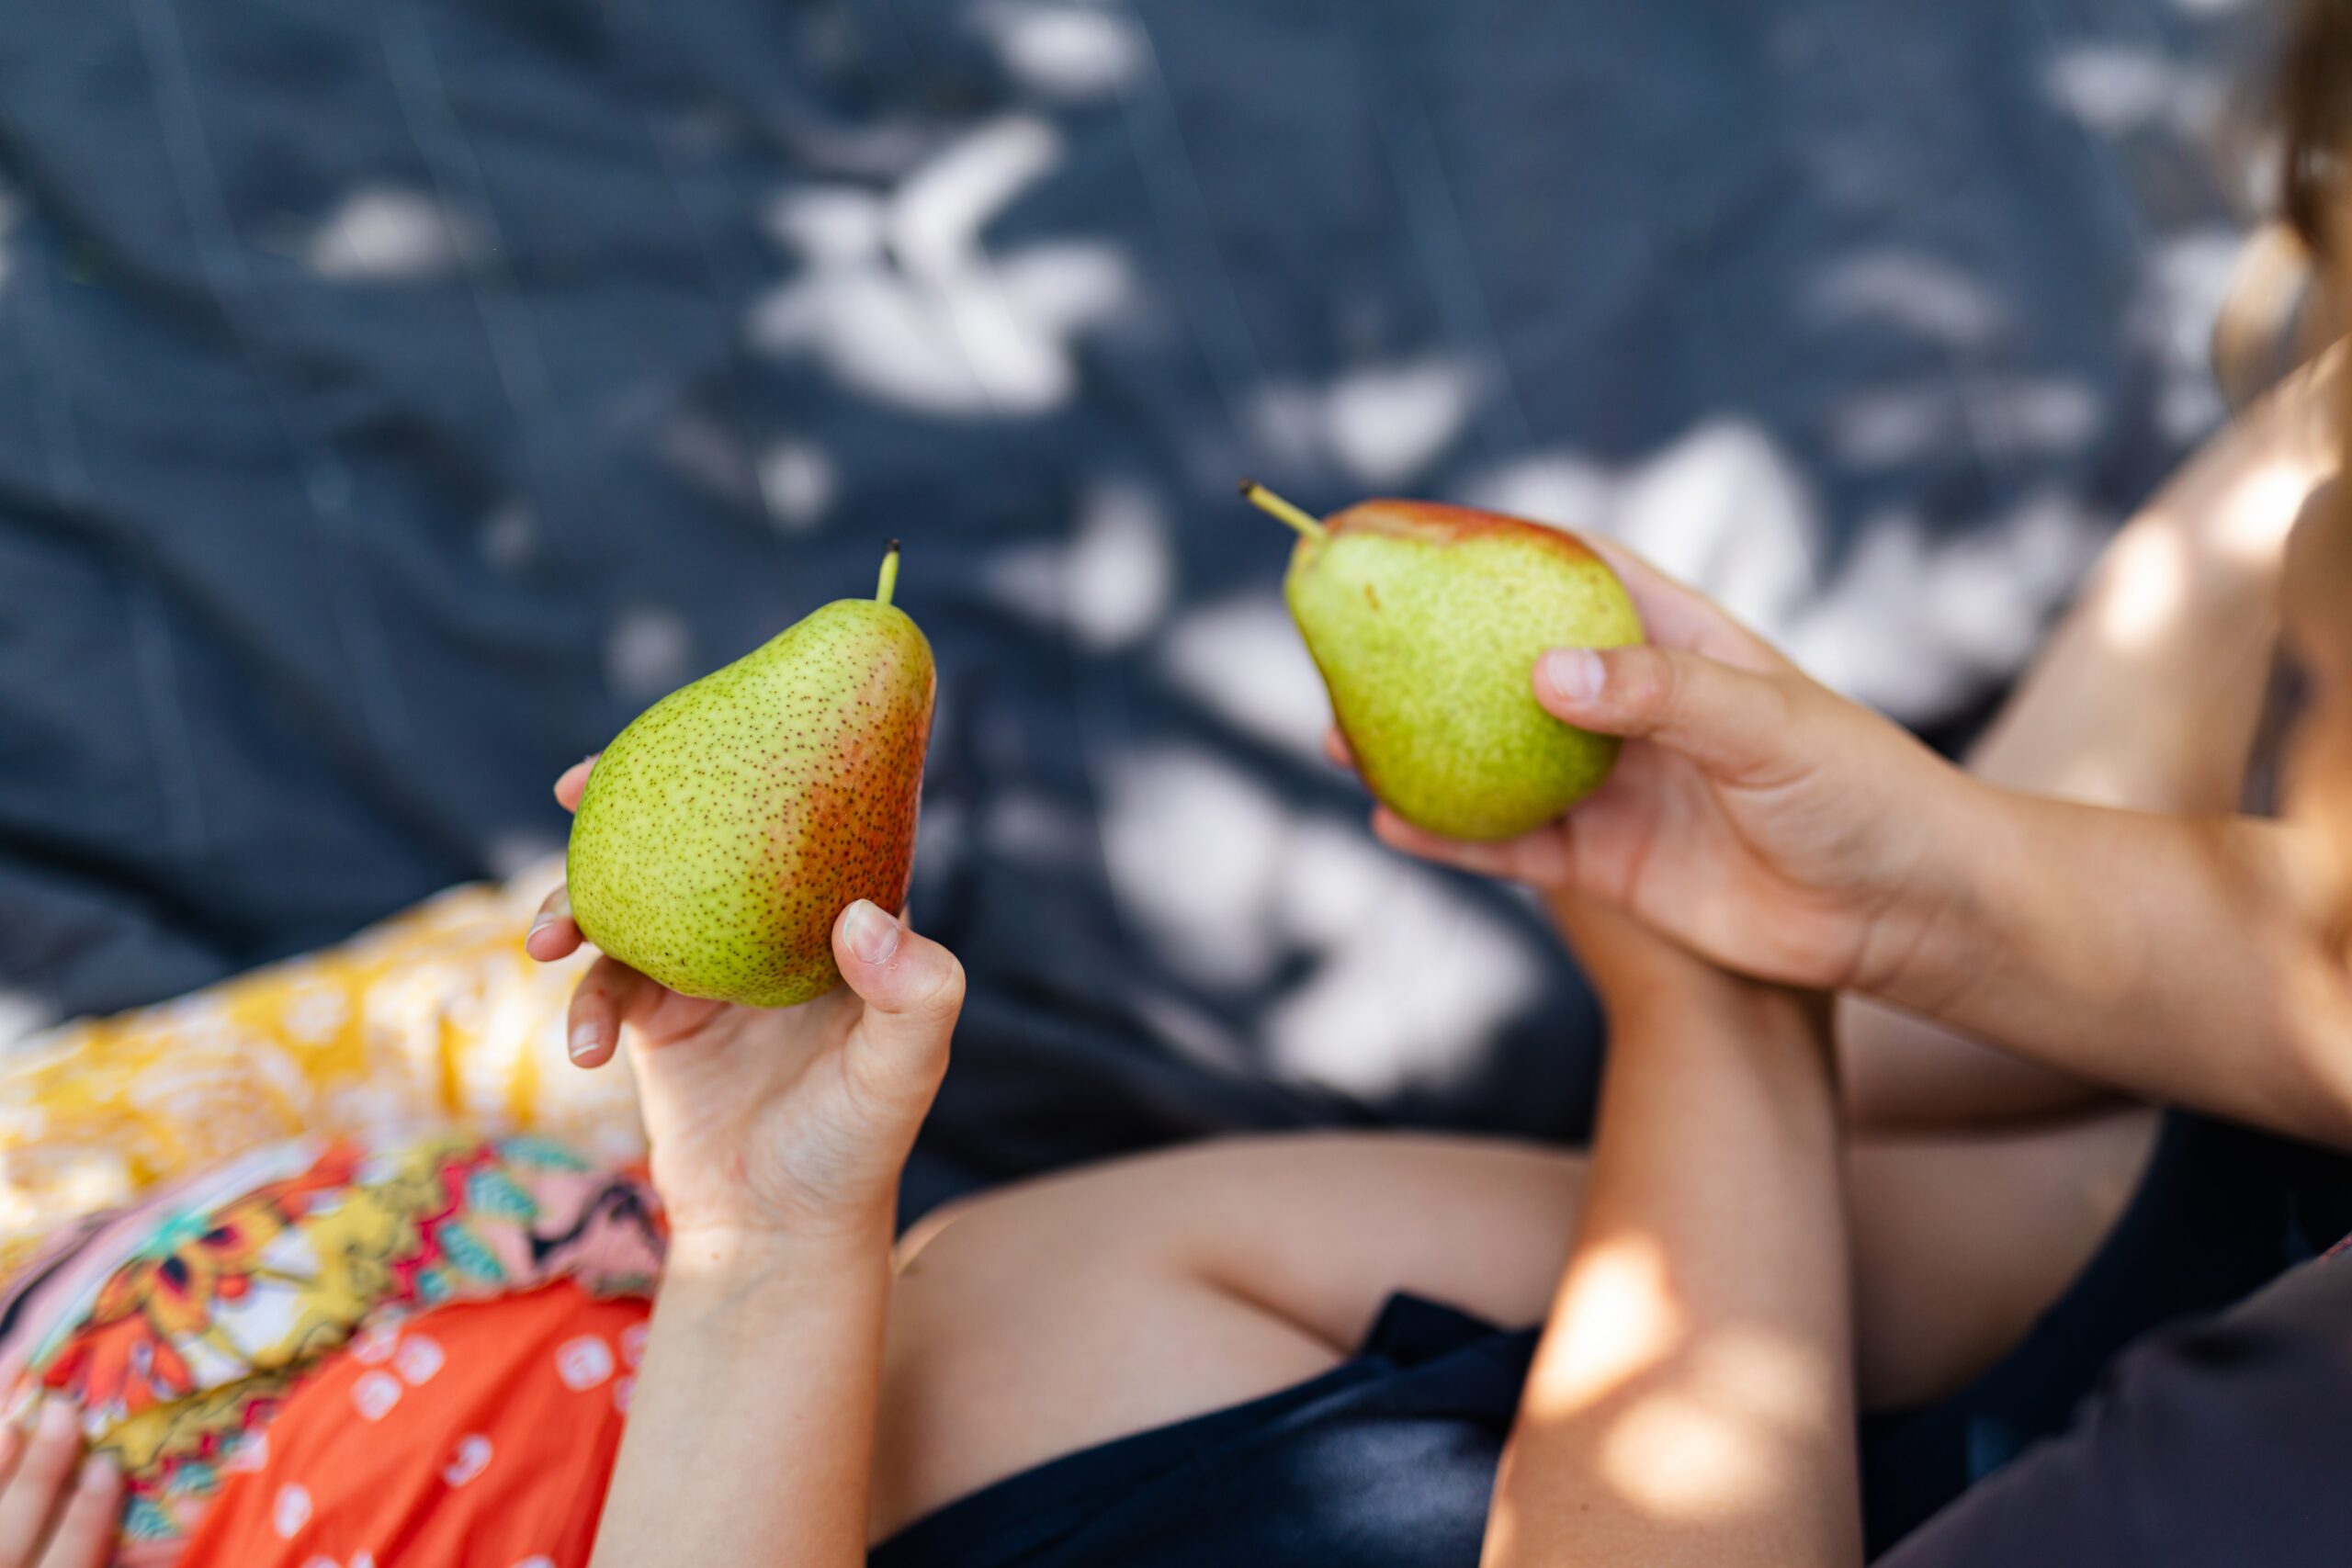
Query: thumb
1736, 724
913, 987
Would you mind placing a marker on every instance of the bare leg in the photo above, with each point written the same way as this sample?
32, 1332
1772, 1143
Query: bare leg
2147, 697
1062, 1313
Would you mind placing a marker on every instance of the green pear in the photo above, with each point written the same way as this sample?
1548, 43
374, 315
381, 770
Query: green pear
731, 822
1426, 621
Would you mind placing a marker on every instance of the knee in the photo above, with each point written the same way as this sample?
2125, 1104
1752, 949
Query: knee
931, 1226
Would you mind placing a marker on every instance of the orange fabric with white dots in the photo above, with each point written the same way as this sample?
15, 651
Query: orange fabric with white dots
476, 1436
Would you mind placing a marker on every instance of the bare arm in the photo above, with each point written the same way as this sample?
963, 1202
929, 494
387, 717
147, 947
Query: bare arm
1692, 1400
751, 1436
777, 1137
1790, 834
2146, 697
2172, 957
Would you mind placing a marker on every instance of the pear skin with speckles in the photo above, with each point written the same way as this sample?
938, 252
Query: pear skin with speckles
729, 825
1426, 621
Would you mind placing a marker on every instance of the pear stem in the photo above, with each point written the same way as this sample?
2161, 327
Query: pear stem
889, 574
1298, 517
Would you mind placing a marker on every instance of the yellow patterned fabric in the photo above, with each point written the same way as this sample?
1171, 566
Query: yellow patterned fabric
434, 1016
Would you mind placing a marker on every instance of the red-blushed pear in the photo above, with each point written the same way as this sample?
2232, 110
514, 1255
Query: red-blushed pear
1425, 621
732, 820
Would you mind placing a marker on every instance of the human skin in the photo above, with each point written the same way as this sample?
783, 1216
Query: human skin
1225, 1253
58, 1507
1066, 1312
2148, 696
776, 1140
1691, 1400
1057, 1313
1790, 835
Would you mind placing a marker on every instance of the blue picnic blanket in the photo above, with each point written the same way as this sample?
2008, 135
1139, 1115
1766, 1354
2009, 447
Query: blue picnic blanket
397, 395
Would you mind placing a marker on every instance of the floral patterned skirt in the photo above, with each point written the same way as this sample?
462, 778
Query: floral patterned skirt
303, 1279
214, 1210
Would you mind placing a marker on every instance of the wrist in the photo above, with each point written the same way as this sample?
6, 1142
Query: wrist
729, 1297
1929, 946
720, 1197
739, 1256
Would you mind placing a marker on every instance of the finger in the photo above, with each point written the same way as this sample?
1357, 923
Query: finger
86, 1529
661, 1015
1335, 747
1540, 857
913, 987
591, 1032
554, 933
574, 781
33, 1492
1735, 724
612, 995
16, 1433
1675, 615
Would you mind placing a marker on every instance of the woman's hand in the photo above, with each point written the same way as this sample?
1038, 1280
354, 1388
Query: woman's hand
1758, 817
787, 1124
57, 1509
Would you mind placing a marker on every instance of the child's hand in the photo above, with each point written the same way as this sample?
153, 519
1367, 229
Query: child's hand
57, 1509
1756, 816
784, 1124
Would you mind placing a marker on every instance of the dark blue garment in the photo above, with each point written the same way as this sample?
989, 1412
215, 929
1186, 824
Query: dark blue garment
1386, 1460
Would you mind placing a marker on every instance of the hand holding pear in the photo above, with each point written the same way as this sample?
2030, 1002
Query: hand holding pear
1426, 621
727, 826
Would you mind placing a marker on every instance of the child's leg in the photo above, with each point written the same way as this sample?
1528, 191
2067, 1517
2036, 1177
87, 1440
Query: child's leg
2148, 697
1048, 1316
1062, 1313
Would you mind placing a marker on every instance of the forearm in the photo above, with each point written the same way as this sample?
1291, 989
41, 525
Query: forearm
2147, 696
1692, 1401
750, 1429
2168, 958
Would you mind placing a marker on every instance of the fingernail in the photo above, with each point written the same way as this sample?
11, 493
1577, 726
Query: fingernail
1576, 673
539, 922
58, 1418
584, 1041
100, 1471
27, 1408
872, 935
